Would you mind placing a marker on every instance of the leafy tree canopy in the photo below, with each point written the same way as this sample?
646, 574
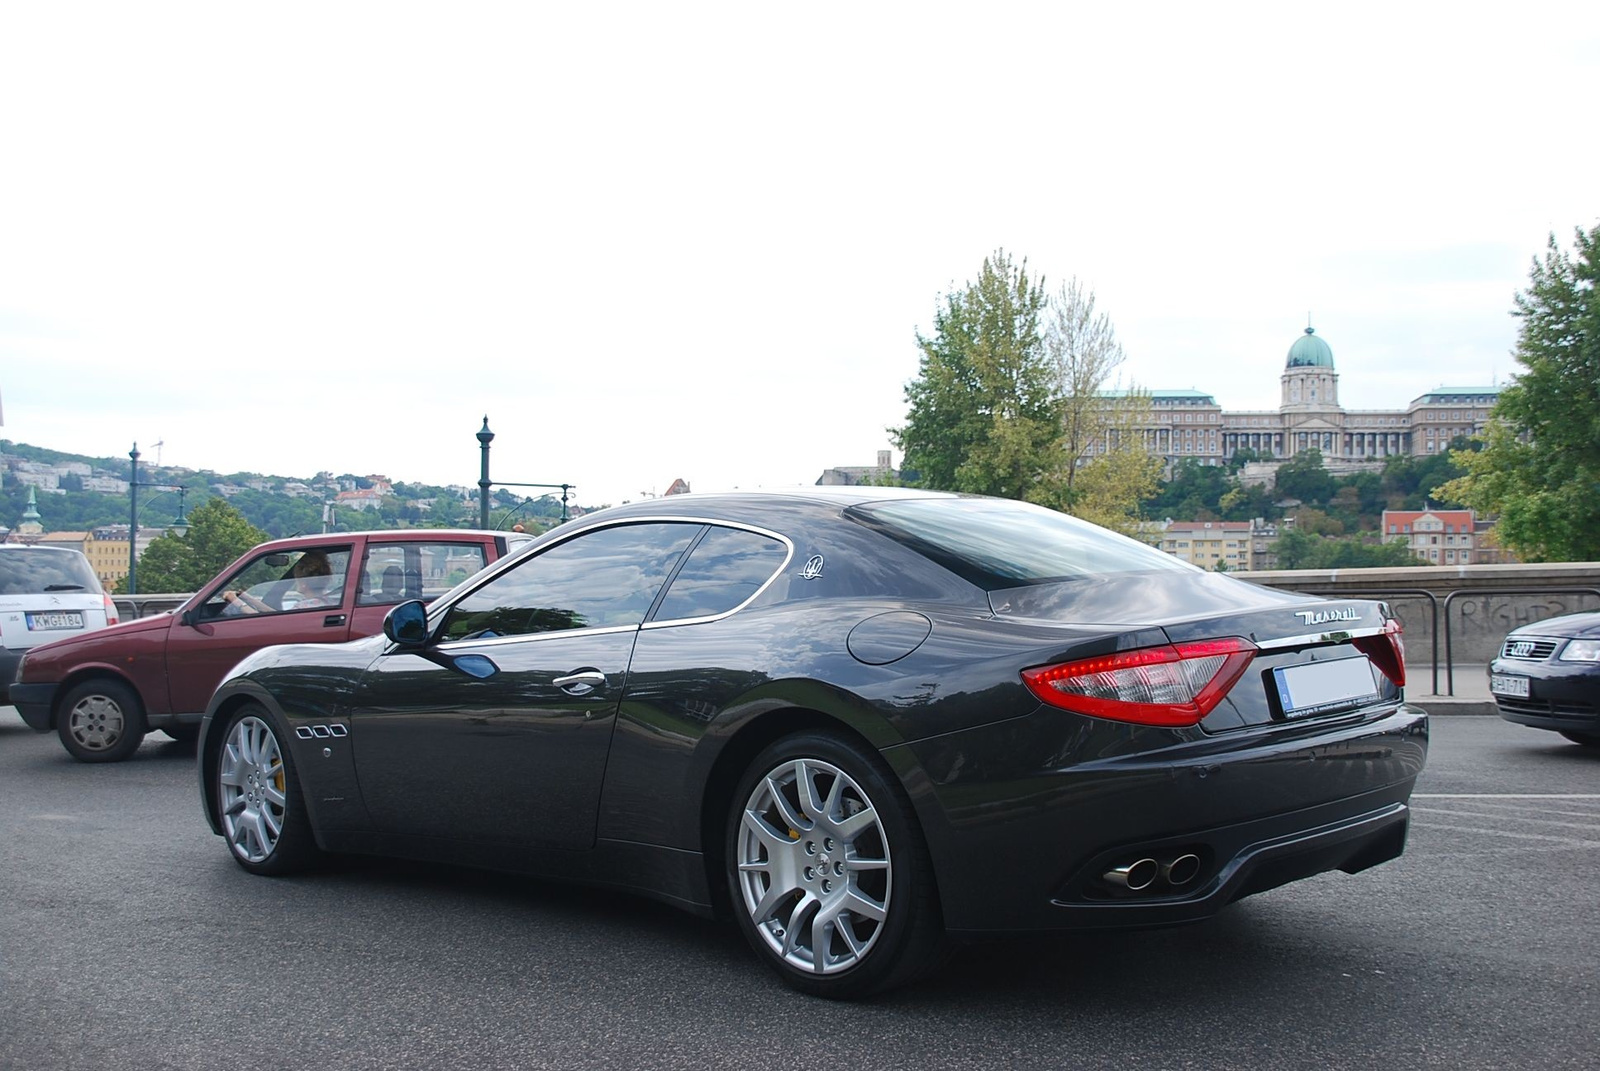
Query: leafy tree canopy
983, 415
217, 535
1539, 468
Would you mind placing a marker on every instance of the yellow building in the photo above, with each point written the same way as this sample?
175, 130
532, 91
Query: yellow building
1210, 544
107, 550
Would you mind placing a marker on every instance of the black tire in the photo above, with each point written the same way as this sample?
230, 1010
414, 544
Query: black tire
100, 720
183, 734
1586, 739
858, 856
258, 801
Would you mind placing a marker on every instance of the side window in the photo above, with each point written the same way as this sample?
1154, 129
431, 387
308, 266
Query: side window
281, 581
395, 572
727, 567
597, 580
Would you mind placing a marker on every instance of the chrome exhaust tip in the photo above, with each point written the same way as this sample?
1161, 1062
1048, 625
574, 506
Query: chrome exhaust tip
1134, 876
1181, 870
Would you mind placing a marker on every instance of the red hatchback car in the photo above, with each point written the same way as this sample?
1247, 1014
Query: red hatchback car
102, 691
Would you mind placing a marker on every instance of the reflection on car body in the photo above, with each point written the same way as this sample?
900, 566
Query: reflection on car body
856, 720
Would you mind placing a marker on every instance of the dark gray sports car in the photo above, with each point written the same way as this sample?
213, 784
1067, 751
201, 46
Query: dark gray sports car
857, 721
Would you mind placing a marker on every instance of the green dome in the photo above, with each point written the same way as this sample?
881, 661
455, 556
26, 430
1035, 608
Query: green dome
1309, 351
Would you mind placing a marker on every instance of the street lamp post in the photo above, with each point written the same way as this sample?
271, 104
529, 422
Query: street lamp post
485, 437
180, 525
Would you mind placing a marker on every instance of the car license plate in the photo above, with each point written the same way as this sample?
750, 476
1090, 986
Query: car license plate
1501, 684
45, 622
1322, 687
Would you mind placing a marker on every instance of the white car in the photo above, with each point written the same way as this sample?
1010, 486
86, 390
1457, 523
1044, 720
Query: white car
46, 593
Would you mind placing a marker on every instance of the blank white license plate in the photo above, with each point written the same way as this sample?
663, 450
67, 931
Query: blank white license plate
1501, 684
1320, 687
45, 622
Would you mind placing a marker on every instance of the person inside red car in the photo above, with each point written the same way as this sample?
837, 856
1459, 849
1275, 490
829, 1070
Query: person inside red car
314, 585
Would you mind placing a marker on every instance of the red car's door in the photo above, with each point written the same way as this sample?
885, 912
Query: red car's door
396, 567
275, 597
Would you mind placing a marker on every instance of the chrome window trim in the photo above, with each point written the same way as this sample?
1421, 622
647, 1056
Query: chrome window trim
526, 637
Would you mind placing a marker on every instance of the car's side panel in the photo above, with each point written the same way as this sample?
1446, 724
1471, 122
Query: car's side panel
514, 758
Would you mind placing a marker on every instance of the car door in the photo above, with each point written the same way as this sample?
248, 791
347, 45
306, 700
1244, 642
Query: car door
499, 729
214, 634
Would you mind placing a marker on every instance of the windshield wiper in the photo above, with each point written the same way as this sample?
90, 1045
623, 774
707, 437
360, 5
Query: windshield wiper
63, 587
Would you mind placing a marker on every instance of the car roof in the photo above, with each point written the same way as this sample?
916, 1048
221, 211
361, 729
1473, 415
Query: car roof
836, 497
397, 535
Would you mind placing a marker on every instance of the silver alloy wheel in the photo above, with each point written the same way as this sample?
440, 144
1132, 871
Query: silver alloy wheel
252, 789
96, 722
814, 866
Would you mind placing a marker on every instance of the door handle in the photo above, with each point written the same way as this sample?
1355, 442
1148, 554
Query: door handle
582, 682
333, 621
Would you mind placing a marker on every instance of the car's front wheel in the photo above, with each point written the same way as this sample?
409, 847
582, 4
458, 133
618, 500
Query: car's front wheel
1586, 739
259, 804
828, 872
100, 721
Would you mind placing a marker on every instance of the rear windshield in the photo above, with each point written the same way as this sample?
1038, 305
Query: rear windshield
997, 543
35, 570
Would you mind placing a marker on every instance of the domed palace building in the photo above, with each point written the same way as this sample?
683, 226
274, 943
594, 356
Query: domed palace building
1190, 424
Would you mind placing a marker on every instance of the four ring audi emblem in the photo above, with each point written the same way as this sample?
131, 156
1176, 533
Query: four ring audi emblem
1519, 648
320, 732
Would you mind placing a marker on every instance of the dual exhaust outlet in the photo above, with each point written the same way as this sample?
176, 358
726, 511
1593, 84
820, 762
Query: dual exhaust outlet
1142, 873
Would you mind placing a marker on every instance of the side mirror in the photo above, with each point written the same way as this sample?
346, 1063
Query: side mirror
407, 624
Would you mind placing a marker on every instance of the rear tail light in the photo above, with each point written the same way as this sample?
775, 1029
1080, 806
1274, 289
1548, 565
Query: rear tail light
1174, 685
1387, 651
111, 609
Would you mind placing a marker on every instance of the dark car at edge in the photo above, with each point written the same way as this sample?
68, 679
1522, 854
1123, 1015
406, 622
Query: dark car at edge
1547, 675
856, 720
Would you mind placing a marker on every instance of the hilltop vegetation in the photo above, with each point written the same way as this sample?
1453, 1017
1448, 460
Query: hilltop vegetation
264, 501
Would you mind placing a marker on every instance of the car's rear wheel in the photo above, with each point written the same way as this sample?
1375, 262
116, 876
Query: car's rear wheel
259, 804
828, 871
1586, 739
100, 721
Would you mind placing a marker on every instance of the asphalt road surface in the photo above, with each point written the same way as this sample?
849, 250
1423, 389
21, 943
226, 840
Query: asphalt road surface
129, 939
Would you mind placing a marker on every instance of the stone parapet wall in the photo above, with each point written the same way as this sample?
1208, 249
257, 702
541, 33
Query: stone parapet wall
1483, 602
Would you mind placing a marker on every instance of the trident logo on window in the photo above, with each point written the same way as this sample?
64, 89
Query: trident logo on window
813, 568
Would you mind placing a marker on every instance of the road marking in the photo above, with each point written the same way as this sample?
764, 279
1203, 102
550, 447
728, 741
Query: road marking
1570, 842
1505, 796
1457, 812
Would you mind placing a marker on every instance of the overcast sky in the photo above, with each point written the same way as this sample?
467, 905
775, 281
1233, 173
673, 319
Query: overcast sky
692, 240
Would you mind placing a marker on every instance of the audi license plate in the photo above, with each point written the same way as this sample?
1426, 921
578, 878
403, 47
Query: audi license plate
45, 622
1501, 684
1322, 687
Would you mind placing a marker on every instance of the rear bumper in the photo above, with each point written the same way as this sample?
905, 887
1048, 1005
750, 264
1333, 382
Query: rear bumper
33, 702
1028, 849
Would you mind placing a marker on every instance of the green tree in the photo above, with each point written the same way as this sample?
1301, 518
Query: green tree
983, 413
1111, 486
1304, 477
1539, 468
217, 535
1298, 549
1082, 350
